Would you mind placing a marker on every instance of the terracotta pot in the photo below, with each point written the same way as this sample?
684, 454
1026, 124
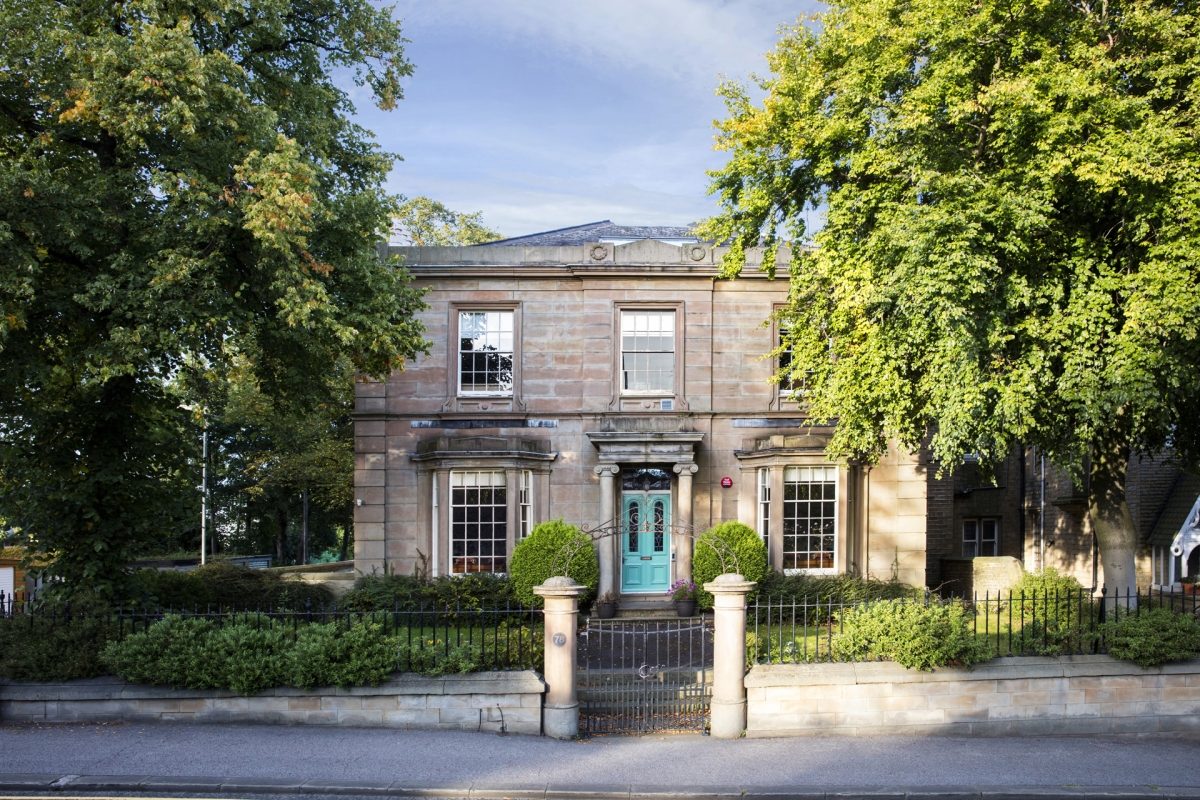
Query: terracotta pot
606, 610
1189, 588
685, 608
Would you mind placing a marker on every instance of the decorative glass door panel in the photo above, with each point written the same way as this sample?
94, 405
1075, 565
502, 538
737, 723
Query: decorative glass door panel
646, 538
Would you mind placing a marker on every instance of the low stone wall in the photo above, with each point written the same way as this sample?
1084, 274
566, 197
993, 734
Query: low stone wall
479, 701
1006, 696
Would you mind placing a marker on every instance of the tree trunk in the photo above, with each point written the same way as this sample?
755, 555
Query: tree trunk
281, 538
345, 543
1109, 512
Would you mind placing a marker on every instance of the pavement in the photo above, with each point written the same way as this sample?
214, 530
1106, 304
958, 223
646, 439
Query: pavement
129, 758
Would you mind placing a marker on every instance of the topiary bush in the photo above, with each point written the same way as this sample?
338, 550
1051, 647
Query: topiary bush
534, 555
914, 635
1152, 637
747, 546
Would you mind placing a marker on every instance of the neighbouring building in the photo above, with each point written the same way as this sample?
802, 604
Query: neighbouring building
606, 375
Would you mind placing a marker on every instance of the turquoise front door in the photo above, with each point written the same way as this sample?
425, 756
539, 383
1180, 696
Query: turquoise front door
646, 542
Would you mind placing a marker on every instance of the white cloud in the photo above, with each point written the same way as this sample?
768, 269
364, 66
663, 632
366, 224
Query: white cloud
691, 41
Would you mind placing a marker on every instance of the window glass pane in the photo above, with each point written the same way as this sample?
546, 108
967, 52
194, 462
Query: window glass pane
809, 528
486, 352
479, 522
970, 538
648, 352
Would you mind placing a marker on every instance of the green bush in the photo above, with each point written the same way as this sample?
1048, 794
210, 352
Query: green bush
246, 657
171, 651
534, 555
224, 585
62, 642
252, 654
333, 655
844, 588
1055, 612
1152, 637
746, 545
435, 659
408, 592
911, 634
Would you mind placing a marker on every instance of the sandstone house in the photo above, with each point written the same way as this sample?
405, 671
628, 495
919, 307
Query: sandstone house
602, 373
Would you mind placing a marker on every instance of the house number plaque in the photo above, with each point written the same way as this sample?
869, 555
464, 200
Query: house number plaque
559, 639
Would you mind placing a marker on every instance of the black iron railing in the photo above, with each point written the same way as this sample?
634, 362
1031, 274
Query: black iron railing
500, 638
1010, 623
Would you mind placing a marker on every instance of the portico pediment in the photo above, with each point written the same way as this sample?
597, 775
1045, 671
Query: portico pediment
646, 447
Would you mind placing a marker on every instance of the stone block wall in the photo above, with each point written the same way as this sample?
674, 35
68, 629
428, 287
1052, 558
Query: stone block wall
480, 701
1004, 697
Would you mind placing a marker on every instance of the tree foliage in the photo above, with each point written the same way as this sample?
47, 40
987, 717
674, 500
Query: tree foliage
183, 187
422, 222
1010, 246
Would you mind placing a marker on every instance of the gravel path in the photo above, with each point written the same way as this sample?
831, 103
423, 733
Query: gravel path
421, 757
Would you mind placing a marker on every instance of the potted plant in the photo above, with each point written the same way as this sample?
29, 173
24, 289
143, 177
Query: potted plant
606, 606
683, 592
1188, 582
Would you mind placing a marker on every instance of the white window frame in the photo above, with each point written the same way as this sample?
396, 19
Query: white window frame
526, 504
511, 351
459, 480
977, 541
764, 507
633, 314
829, 475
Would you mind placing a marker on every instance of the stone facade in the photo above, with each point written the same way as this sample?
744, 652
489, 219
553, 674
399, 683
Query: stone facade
567, 434
1003, 697
479, 701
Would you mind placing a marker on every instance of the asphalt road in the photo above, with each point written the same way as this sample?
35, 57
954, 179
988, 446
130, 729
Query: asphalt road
424, 757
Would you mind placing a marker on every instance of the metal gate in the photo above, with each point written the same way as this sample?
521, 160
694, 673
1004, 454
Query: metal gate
642, 676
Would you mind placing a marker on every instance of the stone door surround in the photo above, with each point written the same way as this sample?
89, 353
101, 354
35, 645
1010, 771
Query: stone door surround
639, 444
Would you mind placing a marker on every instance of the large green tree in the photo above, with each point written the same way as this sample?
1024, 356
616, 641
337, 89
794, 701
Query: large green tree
422, 222
182, 185
1011, 247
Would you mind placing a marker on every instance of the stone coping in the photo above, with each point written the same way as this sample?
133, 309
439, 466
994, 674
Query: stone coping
66, 785
1009, 668
109, 687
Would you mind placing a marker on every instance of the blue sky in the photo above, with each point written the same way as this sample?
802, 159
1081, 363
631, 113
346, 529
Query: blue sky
549, 113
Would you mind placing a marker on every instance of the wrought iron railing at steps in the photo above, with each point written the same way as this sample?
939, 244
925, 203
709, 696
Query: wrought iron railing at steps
806, 630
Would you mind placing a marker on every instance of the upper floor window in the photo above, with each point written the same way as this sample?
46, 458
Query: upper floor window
980, 537
485, 352
791, 387
648, 352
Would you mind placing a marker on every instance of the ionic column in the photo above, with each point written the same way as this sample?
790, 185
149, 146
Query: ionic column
560, 714
729, 654
608, 544
684, 543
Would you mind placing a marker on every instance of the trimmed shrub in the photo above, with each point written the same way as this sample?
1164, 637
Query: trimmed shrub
333, 655
914, 635
747, 546
843, 588
171, 651
1152, 637
534, 555
246, 657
